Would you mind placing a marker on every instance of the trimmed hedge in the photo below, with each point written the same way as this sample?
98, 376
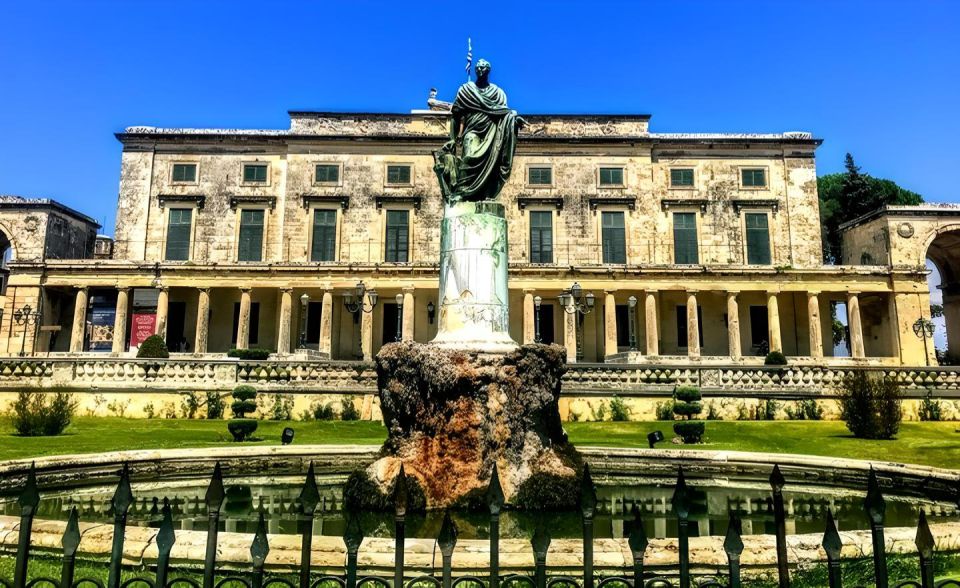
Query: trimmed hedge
153, 347
255, 353
775, 358
687, 404
244, 401
690, 431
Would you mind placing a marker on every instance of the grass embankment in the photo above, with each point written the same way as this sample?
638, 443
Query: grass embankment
929, 443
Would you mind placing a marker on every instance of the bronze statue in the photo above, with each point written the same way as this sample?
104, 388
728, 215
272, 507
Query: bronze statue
476, 162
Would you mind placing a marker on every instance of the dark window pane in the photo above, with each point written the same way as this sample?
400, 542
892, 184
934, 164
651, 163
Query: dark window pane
541, 236
758, 239
324, 246
756, 178
681, 177
314, 313
254, 322
541, 176
328, 174
613, 237
398, 235
178, 234
682, 339
184, 172
251, 236
255, 173
759, 327
398, 174
611, 176
685, 238
622, 315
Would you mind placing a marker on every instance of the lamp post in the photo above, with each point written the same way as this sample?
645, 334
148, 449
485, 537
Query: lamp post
631, 324
360, 300
304, 301
575, 301
924, 328
25, 317
431, 312
537, 301
399, 335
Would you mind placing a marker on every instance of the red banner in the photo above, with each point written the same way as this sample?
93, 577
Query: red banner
142, 326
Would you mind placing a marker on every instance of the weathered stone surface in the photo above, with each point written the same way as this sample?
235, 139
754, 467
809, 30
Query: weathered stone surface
452, 414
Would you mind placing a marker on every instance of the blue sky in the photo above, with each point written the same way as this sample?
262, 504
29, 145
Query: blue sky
878, 79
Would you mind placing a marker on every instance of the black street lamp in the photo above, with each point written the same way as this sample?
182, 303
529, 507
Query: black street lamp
632, 303
431, 312
304, 301
25, 317
574, 300
537, 301
360, 300
924, 329
399, 335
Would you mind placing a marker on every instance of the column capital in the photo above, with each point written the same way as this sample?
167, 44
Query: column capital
407, 289
650, 291
246, 289
609, 292
204, 289
83, 288
123, 288
812, 293
692, 292
285, 289
733, 292
529, 291
853, 292
773, 292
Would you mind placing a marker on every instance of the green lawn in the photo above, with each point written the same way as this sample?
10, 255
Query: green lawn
936, 444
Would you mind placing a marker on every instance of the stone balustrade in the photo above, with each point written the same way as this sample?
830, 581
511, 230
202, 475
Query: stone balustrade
325, 377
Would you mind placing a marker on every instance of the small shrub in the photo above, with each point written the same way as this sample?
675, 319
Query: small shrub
37, 414
930, 408
743, 413
664, 410
599, 412
775, 358
871, 406
169, 410
349, 412
118, 407
766, 410
254, 353
574, 416
98, 401
319, 411
149, 411
712, 413
687, 405
189, 405
281, 408
244, 402
804, 410
619, 411
215, 405
153, 347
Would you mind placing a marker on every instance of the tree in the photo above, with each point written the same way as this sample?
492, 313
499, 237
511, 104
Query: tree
848, 195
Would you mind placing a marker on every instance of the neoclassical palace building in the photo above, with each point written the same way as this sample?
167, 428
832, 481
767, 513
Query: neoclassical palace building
695, 247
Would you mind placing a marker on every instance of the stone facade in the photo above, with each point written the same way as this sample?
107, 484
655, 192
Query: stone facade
211, 301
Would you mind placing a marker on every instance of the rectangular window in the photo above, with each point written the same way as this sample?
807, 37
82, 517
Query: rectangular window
685, 238
185, 172
327, 174
753, 178
541, 236
178, 234
540, 176
611, 176
759, 326
613, 237
681, 178
255, 173
254, 322
758, 238
250, 246
398, 174
682, 339
324, 246
398, 236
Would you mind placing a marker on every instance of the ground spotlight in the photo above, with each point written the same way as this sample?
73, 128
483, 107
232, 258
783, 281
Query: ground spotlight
286, 437
654, 437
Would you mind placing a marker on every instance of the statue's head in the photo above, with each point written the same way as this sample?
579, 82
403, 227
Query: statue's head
482, 68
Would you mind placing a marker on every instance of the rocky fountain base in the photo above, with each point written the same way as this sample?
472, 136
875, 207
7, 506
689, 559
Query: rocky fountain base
451, 415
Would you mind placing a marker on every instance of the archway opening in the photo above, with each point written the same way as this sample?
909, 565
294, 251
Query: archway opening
6, 254
943, 260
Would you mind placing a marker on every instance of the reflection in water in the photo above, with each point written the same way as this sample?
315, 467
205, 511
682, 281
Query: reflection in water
712, 505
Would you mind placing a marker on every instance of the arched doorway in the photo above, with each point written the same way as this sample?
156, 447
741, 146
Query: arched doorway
943, 259
6, 254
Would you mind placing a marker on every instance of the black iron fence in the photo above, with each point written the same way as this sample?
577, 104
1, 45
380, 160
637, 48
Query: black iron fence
541, 576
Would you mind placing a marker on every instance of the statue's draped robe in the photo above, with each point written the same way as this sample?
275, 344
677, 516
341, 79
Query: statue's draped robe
489, 139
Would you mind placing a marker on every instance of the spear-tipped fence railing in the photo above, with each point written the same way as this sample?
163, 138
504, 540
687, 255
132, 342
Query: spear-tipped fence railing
542, 577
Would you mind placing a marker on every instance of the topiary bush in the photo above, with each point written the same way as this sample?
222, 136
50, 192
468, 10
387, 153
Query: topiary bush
254, 353
871, 406
153, 347
775, 358
244, 401
619, 411
37, 414
349, 412
687, 405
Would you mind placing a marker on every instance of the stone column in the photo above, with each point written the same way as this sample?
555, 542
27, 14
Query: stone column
203, 321
609, 324
286, 321
409, 314
856, 326
816, 332
528, 317
650, 322
120, 320
693, 326
570, 333
243, 324
733, 325
773, 322
79, 321
366, 333
163, 304
326, 324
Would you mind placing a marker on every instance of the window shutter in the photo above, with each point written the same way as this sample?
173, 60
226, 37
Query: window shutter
758, 239
541, 237
685, 238
398, 235
178, 234
250, 247
613, 237
324, 247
